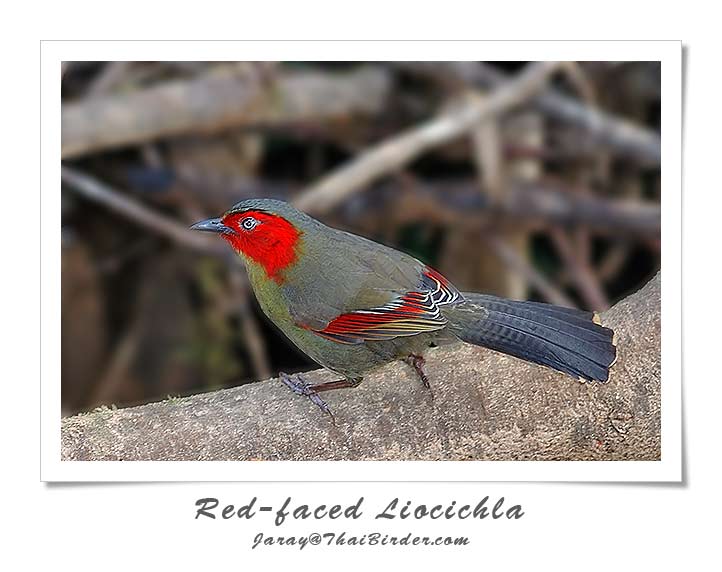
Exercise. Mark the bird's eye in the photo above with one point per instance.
(249, 223)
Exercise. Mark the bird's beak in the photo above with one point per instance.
(212, 225)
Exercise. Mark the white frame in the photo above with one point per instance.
(669, 469)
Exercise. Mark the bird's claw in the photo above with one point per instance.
(296, 384)
(418, 364)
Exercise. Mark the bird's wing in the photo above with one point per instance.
(348, 289)
(409, 313)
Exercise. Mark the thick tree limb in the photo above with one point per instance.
(486, 406)
(217, 101)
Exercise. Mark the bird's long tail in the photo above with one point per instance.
(567, 340)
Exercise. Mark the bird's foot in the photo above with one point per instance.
(418, 363)
(297, 384)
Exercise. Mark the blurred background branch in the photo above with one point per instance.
(137, 213)
(231, 96)
(527, 180)
(617, 134)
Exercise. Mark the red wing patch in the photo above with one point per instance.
(413, 313)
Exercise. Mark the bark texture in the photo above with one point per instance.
(485, 406)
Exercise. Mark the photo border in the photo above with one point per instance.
(668, 469)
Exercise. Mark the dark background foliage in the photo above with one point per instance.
(528, 205)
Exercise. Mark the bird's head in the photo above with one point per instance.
(265, 231)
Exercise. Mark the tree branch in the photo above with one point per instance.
(623, 136)
(518, 264)
(486, 406)
(98, 192)
(396, 152)
(214, 102)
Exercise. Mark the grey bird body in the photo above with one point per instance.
(353, 305)
(360, 274)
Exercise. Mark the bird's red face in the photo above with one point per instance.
(267, 239)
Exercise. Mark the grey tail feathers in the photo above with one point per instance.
(564, 339)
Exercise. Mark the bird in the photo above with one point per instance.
(353, 305)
